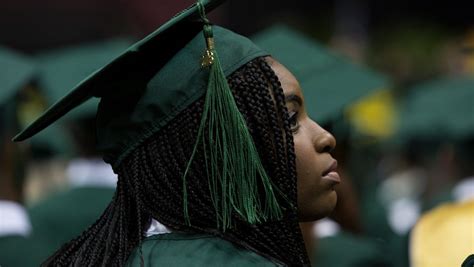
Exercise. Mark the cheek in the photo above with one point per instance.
(307, 167)
(314, 199)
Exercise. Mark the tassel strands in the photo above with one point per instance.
(232, 162)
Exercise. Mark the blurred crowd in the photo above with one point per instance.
(401, 109)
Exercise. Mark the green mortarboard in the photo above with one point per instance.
(146, 86)
(329, 82)
(442, 107)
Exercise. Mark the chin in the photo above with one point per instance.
(321, 209)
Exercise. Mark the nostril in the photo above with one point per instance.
(326, 143)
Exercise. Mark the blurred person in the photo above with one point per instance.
(401, 192)
(442, 158)
(217, 164)
(64, 214)
(448, 158)
(448, 228)
(15, 225)
(331, 83)
(90, 182)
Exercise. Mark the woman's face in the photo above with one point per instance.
(315, 167)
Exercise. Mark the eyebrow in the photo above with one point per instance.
(294, 98)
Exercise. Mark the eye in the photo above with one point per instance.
(293, 119)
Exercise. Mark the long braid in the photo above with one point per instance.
(150, 184)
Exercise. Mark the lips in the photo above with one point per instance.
(331, 173)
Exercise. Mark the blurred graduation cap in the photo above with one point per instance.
(439, 108)
(58, 71)
(330, 82)
(152, 81)
(21, 101)
(61, 69)
(17, 71)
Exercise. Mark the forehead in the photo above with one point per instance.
(288, 81)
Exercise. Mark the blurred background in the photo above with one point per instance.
(392, 80)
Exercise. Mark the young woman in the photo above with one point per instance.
(179, 199)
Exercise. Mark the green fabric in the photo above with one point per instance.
(347, 250)
(177, 249)
(439, 108)
(65, 215)
(445, 195)
(61, 69)
(17, 71)
(374, 215)
(329, 82)
(19, 251)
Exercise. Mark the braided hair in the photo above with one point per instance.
(150, 183)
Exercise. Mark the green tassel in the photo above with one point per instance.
(232, 162)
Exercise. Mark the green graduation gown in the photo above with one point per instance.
(16, 251)
(181, 249)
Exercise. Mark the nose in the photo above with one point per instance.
(324, 141)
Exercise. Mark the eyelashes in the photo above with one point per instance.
(293, 119)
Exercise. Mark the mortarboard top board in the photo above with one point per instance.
(63, 68)
(330, 82)
(439, 108)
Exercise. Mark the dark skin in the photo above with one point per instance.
(315, 167)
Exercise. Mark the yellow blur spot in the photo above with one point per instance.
(468, 45)
(374, 115)
(443, 237)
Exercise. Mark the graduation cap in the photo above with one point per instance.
(152, 81)
(441, 107)
(329, 81)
